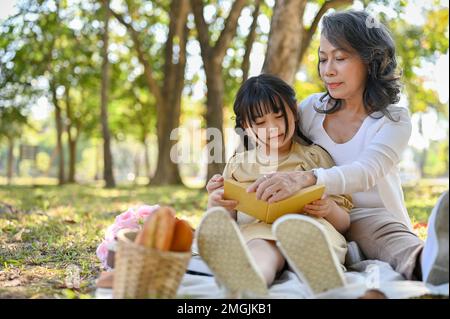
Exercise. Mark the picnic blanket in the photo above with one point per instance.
(361, 276)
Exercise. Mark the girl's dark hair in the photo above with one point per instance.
(264, 94)
(358, 31)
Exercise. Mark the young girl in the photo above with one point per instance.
(242, 251)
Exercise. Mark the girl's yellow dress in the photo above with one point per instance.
(250, 165)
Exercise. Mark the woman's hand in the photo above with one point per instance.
(277, 186)
(321, 208)
(214, 183)
(216, 199)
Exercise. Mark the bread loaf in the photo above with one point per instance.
(182, 237)
(165, 228)
(146, 237)
(163, 231)
(158, 229)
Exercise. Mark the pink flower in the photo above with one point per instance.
(126, 219)
(102, 253)
(129, 219)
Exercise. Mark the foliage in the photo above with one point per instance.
(57, 43)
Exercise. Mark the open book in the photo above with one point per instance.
(270, 212)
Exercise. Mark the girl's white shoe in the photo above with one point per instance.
(307, 249)
(222, 247)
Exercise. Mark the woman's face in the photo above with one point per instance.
(271, 129)
(343, 72)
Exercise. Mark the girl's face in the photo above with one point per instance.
(343, 72)
(270, 129)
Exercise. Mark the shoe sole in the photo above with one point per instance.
(307, 249)
(223, 248)
(439, 271)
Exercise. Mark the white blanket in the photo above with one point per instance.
(361, 276)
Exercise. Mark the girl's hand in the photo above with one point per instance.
(214, 183)
(216, 199)
(321, 208)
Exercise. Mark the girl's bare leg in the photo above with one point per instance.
(268, 258)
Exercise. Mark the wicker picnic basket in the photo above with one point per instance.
(142, 272)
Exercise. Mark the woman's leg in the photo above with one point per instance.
(267, 256)
(380, 236)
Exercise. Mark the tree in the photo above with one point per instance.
(59, 131)
(212, 56)
(165, 84)
(40, 44)
(289, 38)
(137, 113)
(107, 157)
(31, 52)
(249, 41)
(12, 121)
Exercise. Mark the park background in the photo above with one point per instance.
(89, 97)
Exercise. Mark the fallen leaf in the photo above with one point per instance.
(18, 235)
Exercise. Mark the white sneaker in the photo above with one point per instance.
(434, 260)
(306, 247)
(223, 248)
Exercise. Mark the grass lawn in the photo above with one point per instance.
(46, 229)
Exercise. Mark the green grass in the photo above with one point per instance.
(51, 228)
(46, 229)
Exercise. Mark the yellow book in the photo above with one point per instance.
(269, 212)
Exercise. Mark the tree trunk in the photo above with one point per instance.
(212, 57)
(289, 39)
(214, 120)
(97, 161)
(249, 42)
(168, 93)
(146, 159)
(72, 159)
(72, 137)
(167, 172)
(283, 47)
(59, 132)
(137, 166)
(108, 173)
(10, 163)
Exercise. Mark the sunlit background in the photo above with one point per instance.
(426, 156)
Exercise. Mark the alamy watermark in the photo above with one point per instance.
(207, 146)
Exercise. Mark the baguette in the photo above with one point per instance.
(158, 229)
(146, 237)
(165, 228)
